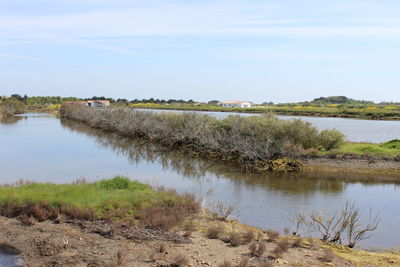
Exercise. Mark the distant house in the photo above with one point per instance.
(90, 103)
(98, 103)
(235, 104)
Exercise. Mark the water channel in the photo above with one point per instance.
(43, 148)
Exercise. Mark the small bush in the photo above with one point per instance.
(180, 260)
(272, 235)
(26, 220)
(257, 249)
(215, 232)
(281, 247)
(235, 239)
(328, 255)
(248, 236)
(187, 234)
(115, 183)
(330, 139)
(297, 243)
(392, 144)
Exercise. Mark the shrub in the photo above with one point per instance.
(221, 211)
(298, 242)
(272, 235)
(330, 139)
(392, 144)
(248, 236)
(257, 249)
(180, 260)
(235, 239)
(214, 232)
(11, 106)
(26, 220)
(188, 234)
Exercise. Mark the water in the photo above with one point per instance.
(8, 258)
(44, 148)
(356, 130)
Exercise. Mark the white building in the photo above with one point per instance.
(98, 103)
(235, 104)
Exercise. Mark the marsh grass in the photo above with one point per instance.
(114, 199)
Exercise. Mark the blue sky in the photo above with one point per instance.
(271, 50)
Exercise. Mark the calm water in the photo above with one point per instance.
(43, 148)
(356, 130)
(8, 259)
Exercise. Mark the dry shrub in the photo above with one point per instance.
(215, 232)
(165, 215)
(225, 264)
(272, 235)
(281, 247)
(77, 213)
(328, 255)
(26, 220)
(221, 211)
(187, 234)
(180, 260)
(235, 239)
(297, 243)
(248, 236)
(257, 249)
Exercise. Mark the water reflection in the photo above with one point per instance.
(10, 120)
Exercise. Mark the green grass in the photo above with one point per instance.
(388, 149)
(103, 198)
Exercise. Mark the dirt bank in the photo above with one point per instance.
(368, 166)
(100, 244)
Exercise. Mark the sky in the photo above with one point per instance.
(255, 50)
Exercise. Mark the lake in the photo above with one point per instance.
(43, 148)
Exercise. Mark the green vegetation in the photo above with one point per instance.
(387, 149)
(118, 198)
(10, 106)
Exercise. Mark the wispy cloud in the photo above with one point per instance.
(13, 56)
(156, 19)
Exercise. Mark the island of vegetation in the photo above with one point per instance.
(119, 222)
(256, 143)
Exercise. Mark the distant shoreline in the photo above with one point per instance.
(277, 111)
